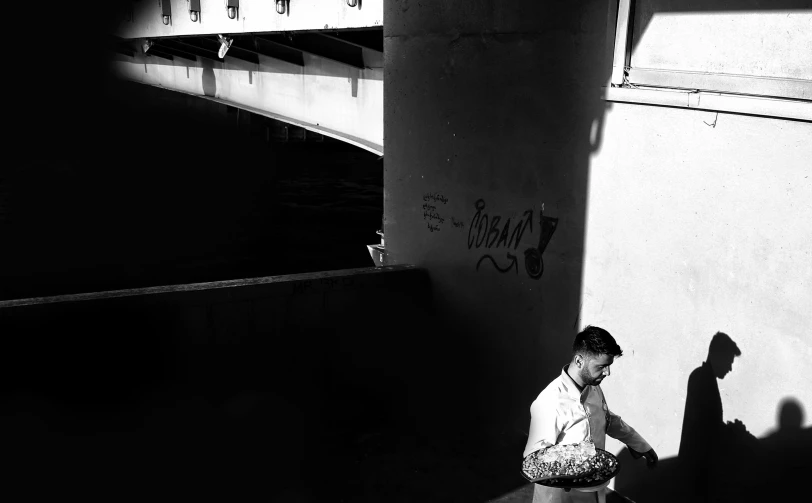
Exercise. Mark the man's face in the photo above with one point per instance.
(595, 369)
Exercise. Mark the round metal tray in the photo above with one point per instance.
(590, 479)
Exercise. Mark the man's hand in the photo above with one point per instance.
(737, 426)
(650, 455)
(651, 458)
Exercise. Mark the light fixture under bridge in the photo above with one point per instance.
(233, 8)
(166, 11)
(194, 10)
(225, 44)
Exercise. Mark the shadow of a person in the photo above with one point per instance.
(786, 453)
(710, 450)
(639, 483)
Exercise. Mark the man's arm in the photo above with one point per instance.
(544, 428)
(617, 428)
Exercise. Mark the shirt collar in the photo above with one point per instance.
(570, 387)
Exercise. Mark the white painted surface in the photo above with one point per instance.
(758, 43)
(699, 222)
(319, 96)
(254, 16)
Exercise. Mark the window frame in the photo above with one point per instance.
(746, 94)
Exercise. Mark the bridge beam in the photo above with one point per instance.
(368, 39)
(271, 50)
(143, 19)
(167, 47)
(211, 45)
(313, 43)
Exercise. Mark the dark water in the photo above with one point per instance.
(145, 187)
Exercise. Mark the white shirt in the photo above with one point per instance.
(563, 415)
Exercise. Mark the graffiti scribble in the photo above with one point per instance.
(533, 263)
(431, 214)
(513, 263)
(484, 231)
(487, 229)
(435, 198)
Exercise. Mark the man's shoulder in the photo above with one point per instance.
(553, 391)
(554, 385)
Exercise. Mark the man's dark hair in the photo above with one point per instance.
(595, 341)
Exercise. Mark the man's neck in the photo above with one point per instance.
(574, 378)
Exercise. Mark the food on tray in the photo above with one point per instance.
(605, 467)
(562, 460)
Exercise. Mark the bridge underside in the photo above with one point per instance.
(317, 67)
(316, 81)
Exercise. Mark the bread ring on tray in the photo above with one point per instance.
(579, 465)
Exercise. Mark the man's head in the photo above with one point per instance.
(593, 352)
(721, 353)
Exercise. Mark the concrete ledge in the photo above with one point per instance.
(222, 381)
(315, 336)
(682, 98)
(311, 282)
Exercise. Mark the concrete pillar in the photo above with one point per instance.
(487, 118)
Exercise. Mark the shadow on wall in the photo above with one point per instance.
(209, 80)
(723, 462)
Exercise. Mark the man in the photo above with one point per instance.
(572, 409)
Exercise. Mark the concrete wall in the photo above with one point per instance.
(143, 19)
(229, 386)
(492, 103)
(331, 98)
(671, 224)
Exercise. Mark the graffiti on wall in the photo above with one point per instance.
(431, 213)
(492, 232)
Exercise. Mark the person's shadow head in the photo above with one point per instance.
(721, 353)
(785, 452)
(790, 416)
